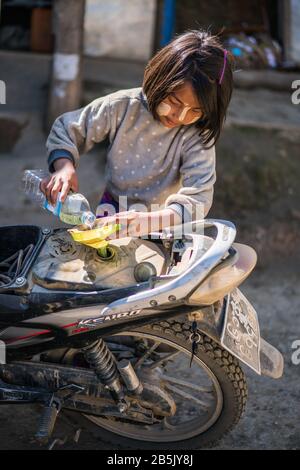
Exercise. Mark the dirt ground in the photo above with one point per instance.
(272, 418)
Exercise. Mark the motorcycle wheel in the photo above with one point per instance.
(215, 388)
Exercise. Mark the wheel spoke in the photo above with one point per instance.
(147, 354)
(187, 396)
(197, 388)
(166, 358)
(119, 347)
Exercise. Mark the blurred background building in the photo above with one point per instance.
(268, 30)
(121, 35)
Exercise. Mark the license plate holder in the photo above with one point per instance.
(241, 334)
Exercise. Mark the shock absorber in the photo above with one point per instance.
(102, 361)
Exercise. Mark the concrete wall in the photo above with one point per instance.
(120, 29)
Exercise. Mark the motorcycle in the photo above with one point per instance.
(144, 345)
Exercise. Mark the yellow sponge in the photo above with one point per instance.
(95, 238)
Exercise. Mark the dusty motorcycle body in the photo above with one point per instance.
(96, 335)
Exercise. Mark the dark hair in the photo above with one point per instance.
(198, 57)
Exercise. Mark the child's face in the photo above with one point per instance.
(180, 108)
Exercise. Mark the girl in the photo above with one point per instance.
(162, 137)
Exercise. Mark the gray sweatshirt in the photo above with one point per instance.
(146, 161)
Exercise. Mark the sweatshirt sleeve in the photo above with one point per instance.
(198, 175)
(77, 131)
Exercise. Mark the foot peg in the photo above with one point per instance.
(48, 419)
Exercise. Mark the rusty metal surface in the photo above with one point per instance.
(63, 258)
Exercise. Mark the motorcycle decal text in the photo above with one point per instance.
(113, 316)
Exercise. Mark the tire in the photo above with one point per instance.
(223, 365)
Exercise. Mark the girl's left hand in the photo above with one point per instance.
(138, 224)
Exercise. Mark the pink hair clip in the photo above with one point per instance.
(224, 66)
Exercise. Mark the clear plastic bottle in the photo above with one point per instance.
(74, 211)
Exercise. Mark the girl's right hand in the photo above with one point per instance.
(64, 179)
